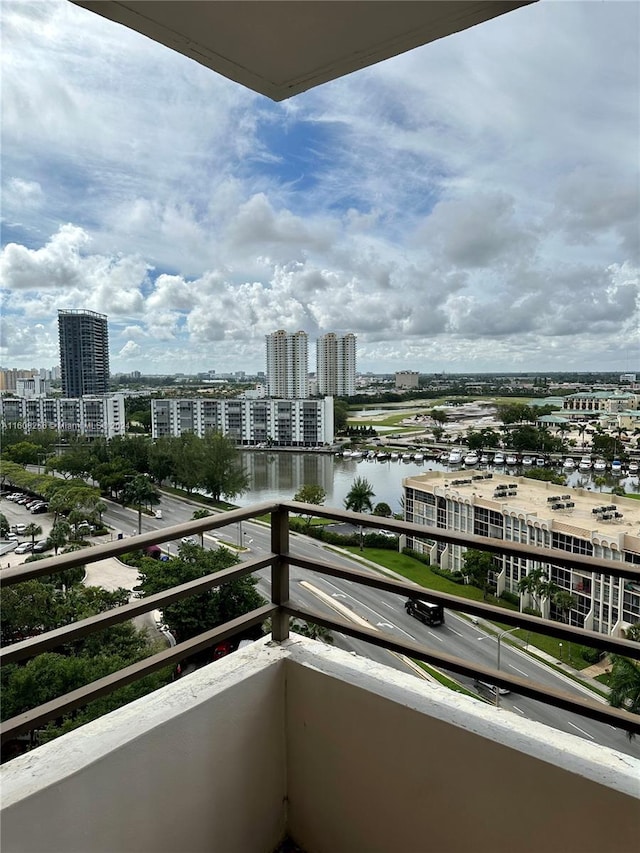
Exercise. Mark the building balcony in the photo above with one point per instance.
(291, 738)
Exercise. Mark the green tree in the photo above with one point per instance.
(4, 525)
(538, 585)
(310, 493)
(221, 472)
(312, 631)
(624, 684)
(188, 458)
(140, 492)
(383, 510)
(198, 613)
(437, 432)
(59, 535)
(33, 530)
(633, 632)
(23, 452)
(478, 565)
(160, 460)
(358, 499)
(439, 416)
(340, 415)
(201, 513)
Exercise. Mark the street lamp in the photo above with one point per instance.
(500, 636)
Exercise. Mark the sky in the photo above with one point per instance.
(471, 205)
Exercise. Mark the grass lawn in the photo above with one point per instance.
(444, 680)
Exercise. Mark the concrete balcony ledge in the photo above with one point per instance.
(339, 752)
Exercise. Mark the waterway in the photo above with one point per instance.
(279, 475)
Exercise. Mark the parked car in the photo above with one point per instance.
(41, 546)
(12, 537)
(19, 528)
(38, 508)
(187, 540)
(24, 548)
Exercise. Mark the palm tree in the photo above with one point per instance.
(201, 513)
(313, 631)
(359, 498)
(139, 492)
(624, 685)
(59, 535)
(33, 530)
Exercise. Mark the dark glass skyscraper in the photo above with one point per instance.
(84, 352)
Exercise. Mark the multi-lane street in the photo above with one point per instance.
(385, 612)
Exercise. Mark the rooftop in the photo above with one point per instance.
(533, 497)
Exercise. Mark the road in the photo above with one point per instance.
(385, 611)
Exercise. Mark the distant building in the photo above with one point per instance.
(36, 386)
(9, 378)
(407, 379)
(610, 402)
(628, 377)
(518, 509)
(336, 365)
(282, 423)
(84, 352)
(288, 365)
(91, 416)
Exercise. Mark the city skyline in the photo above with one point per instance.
(470, 206)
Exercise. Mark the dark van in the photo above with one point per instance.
(425, 611)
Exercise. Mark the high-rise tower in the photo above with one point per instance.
(287, 365)
(84, 352)
(336, 365)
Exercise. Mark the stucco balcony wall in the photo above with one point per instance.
(341, 753)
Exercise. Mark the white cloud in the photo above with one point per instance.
(472, 204)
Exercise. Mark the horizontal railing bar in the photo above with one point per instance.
(470, 540)
(75, 630)
(561, 631)
(82, 696)
(588, 708)
(55, 565)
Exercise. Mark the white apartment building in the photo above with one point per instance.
(288, 365)
(281, 423)
(407, 379)
(336, 365)
(37, 386)
(91, 415)
(518, 509)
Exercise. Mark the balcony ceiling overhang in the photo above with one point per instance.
(280, 49)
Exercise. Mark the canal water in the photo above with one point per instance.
(279, 475)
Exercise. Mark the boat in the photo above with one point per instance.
(394, 457)
(511, 459)
(616, 466)
(569, 464)
(527, 461)
(498, 458)
(484, 459)
(382, 456)
(540, 463)
(471, 458)
(585, 463)
(599, 465)
(407, 457)
(455, 457)
(633, 467)
(418, 457)
(346, 454)
(356, 454)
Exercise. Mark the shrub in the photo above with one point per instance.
(511, 597)
(590, 655)
(531, 611)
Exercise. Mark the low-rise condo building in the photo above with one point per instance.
(518, 509)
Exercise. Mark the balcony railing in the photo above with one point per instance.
(282, 608)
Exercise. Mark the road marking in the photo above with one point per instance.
(384, 625)
(515, 708)
(386, 604)
(338, 595)
(518, 670)
(362, 604)
(454, 631)
(439, 639)
(577, 728)
(340, 608)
